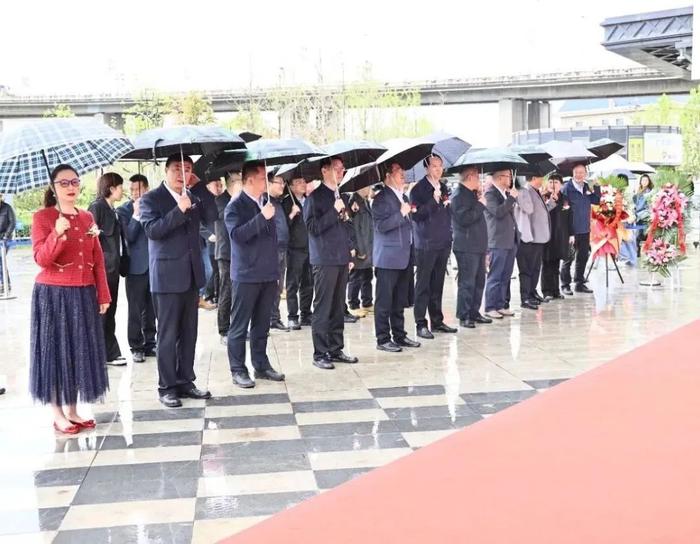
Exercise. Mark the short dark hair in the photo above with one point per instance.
(557, 177)
(106, 182)
(426, 161)
(49, 194)
(177, 157)
(325, 162)
(250, 168)
(139, 178)
(580, 163)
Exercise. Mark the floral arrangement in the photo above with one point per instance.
(665, 243)
(607, 222)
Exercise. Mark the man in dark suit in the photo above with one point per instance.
(391, 255)
(470, 246)
(503, 242)
(433, 243)
(300, 283)
(110, 187)
(276, 188)
(329, 251)
(580, 197)
(222, 253)
(250, 223)
(141, 329)
(171, 216)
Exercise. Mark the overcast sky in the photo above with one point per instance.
(80, 46)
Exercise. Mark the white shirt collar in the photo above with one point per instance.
(503, 193)
(579, 186)
(175, 195)
(398, 193)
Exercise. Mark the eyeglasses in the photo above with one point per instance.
(65, 183)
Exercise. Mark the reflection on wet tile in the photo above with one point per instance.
(334, 405)
(346, 429)
(225, 436)
(253, 449)
(544, 384)
(249, 421)
(166, 414)
(241, 400)
(248, 484)
(151, 427)
(248, 410)
(162, 533)
(30, 498)
(113, 490)
(435, 423)
(492, 408)
(406, 391)
(355, 442)
(343, 416)
(248, 505)
(207, 531)
(498, 396)
(146, 455)
(423, 412)
(224, 466)
(129, 513)
(420, 439)
(327, 479)
(355, 459)
(416, 401)
(156, 440)
(31, 521)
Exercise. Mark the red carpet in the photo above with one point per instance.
(612, 456)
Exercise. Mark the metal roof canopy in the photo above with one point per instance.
(661, 40)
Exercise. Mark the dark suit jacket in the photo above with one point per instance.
(298, 235)
(174, 249)
(222, 247)
(468, 222)
(110, 237)
(432, 221)
(580, 205)
(253, 242)
(136, 239)
(392, 232)
(500, 220)
(329, 237)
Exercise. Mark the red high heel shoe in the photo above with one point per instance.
(73, 429)
(87, 424)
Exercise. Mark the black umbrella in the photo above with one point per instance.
(216, 165)
(566, 155)
(537, 159)
(277, 152)
(184, 139)
(604, 147)
(447, 146)
(489, 160)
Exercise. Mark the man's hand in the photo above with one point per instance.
(137, 208)
(339, 205)
(184, 203)
(268, 210)
(212, 238)
(295, 211)
(103, 308)
(62, 225)
(353, 253)
(513, 192)
(554, 197)
(405, 208)
(572, 239)
(355, 208)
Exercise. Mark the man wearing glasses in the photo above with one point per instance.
(276, 187)
(329, 252)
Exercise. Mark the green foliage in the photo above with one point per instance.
(59, 110)
(690, 128)
(680, 179)
(621, 184)
(665, 112)
(250, 120)
(148, 112)
(193, 109)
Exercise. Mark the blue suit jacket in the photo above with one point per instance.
(432, 220)
(580, 215)
(253, 242)
(392, 232)
(175, 258)
(135, 239)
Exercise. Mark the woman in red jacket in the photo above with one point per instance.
(67, 341)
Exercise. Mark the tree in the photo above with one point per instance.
(148, 112)
(690, 128)
(250, 120)
(194, 109)
(59, 110)
(664, 112)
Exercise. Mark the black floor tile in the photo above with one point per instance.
(232, 466)
(545, 384)
(334, 405)
(422, 412)
(241, 400)
(248, 505)
(356, 442)
(498, 396)
(164, 533)
(327, 479)
(155, 440)
(407, 391)
(253, 449)
(347, 429)
(247, 422)
(435, 423)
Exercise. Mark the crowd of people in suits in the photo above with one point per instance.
(265, 236)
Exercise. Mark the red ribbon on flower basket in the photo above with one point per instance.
(606, 222)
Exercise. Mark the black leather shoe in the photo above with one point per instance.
(558, 296)
(389, 346)
(443, 328)
(269, 374)
(481, 319)
(305, 321)
(567, 290)
(529, 305)
(423, 332)
(350, 318)
(340, 357)
(467, 324)
(150, 353)
(324, 363)
(583, 289)
(138, 357)
(539, 298)
(170, 400)
(293, 325)
(241, 379)
(533, 301)
(194, 393)
(407, 343)
(279, 326)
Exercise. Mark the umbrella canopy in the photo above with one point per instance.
(447, 146)
(186, 139)
(566, 155)
(489, 160)
(216, 165)
(604, 147)
(278, 152)
(615, 162)
(360, 177)
(537, 159)
(28, 153)
(354, 152)
(248, 137)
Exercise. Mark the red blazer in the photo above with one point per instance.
(74, 259)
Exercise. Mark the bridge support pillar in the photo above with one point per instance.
(538, 115)
(114, 120)
(512, 117)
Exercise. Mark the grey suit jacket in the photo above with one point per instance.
(532, 216)
(500, 221)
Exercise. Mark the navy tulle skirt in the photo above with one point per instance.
(67, 353)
